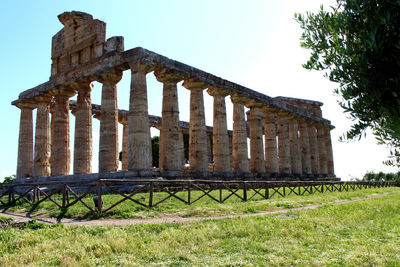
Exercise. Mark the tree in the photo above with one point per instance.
(155, 144)
(357, 44)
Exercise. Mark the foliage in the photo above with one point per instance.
(357, 43)
(155, 147)
(361, 233)
(381, 176)
(8, 180)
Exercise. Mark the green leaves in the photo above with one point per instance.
(357, 44)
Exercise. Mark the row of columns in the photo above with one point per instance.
(292, 145)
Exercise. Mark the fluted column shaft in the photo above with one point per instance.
(295, 150)
(322, 153)
(305, 148)
(271, 152)
(239, 139)
(329, 152)
(108, 145)
(312, 134)
(169, 149)
(41, 162)
(124, 154)
(61, 140)
(83, 148)
(198, 157)
(139, 139)
(284, 145)
(25, 142)
(220, 131)
(257, 162)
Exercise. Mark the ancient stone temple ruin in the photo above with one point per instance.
(289, 139)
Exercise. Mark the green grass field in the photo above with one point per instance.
(362, 233)
(204, 207)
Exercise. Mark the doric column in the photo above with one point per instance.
(52, 119)
(139, 139)
(295, 150)
(322, 155)
(169, 152)
(284, 144)
(239, 152)
(25, 141)
(124, 153)
(257, 162)
(305, 147)
(230, 140)
(41, 161)
(220, 131)
(60, 149)
(108, 145)
(329, 152)
(83, 129)
(271, 152)
(198, 158)
(312, 134)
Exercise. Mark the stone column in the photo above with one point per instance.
(52, 112)
(239, 139)
(60, 149)
(83, 150)
(169, 153)
(284, 144)
(271, 152)
(25, 141)
(108, 145)
(41, 162)
(305, 148)
(257, 162)
(295, 150)
(312, 134)
(124, 154)
(329, 152)
(198, 158)
(220, 131)
(139, 144)
(230, 138)
(323, 166)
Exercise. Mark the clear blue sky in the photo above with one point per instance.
(254, 43)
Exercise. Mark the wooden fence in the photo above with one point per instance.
(65, 195)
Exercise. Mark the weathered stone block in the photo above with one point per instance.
(115, 43)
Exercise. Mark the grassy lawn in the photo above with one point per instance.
(204, 207)
(363, 233)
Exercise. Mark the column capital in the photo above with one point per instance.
(236, 98)
(192, 83)
(166, 75)
(109, 76)
(136, 66)
(28, 104)
(215, 91)
(253, 104)
(68, 92)
(81, 86)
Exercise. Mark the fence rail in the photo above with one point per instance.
(65, 195)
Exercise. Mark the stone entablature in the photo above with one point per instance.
(297, 139)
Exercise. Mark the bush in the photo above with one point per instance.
(381, 176)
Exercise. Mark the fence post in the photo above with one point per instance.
(267, 192)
